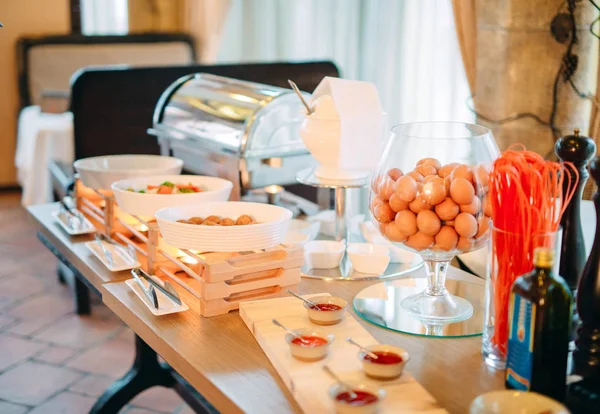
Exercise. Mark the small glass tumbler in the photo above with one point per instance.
(510, 256)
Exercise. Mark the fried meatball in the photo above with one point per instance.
(244, 219)
(227, 222)
(216, 219)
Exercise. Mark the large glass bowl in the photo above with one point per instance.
(429, 195)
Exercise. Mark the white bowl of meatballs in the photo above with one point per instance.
(224, 226)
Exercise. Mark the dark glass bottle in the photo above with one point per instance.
(539, 325)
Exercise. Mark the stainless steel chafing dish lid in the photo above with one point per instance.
(230, 115)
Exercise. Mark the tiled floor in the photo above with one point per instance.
(51, 360)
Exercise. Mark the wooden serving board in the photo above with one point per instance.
(307, 381)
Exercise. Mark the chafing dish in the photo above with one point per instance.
(245, 132)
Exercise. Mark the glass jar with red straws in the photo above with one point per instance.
(527, 201)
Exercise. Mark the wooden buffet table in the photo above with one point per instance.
(220, 358)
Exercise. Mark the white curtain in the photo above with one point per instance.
(408, 48)
(104, 17)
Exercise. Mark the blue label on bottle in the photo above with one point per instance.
(519, 359)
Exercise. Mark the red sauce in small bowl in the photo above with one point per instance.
(361, 399)
(327, 307)
(384, 358)
(309, 341)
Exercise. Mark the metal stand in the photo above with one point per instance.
(146, 372)
(343, 232)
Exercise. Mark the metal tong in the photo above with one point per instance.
(150, 292)
(166, 288)
(127, 252)
(74, 218)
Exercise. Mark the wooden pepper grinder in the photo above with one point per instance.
(586, 356)
(579, 151)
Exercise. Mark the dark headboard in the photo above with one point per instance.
(113, 107)
(26, 44)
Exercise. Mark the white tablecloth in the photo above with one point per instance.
(477, 261)
(41, 138)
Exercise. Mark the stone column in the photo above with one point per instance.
(517, 62)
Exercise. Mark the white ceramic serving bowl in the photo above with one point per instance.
(309, 354)
(101, 172)
(384, 371)
(319, 317)
(142, 204)
(296, 238)
(270, 230)
(326, 220)
(369, 258)
(345, 408)
(324, 254)
(372, 235)
(304, 226)
(515, 402)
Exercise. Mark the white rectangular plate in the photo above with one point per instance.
(86, 228)
(119, 261)
(165, 305)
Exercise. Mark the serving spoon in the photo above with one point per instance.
(294, 334)
(308, 302)
(309, 110)
(342, 383)
(362, 348)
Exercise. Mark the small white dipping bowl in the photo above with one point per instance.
(307, 227)
(326, 220)
(296, 238)
(324, 254)
(384, 371)
(515, 402)
(368, 257)
(349, 408)
(306, 353)
(320, 317)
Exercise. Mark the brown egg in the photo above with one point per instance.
(461, 191)
(447, 169)
(418, 205)
(383, 213)
(209, 223)
(433, 178)
(375, 183)
(406, 188)
(463, 171)
(386, 188)
(487, 206)
(430, 161)
(481, 175)
(196, 220)
(474, 207)
(465, 244)
(395, 173)
(428, 222)
(465, 225)
(433, 193)
(419, 241)
(393, 233)
(446, 239)
(382, 227)
(483, 224)
(417, 176)
(406, 221)
(426, 170)
(216, 219)
(447, 209)
(375, 201)
(396, 204)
